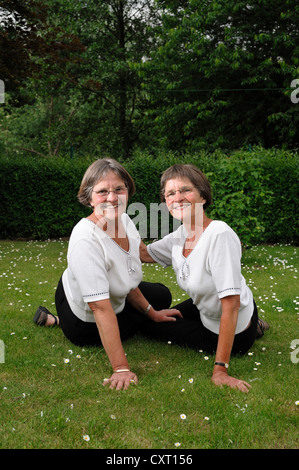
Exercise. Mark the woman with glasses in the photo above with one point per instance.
(220, 316)
(100, 299)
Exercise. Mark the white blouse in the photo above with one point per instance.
(98, 268)
(211, 271)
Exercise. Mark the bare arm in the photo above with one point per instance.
(139, 302)
(107, 324)
(229, 317)
(143, 253)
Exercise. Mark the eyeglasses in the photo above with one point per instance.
(103, 193)
(185, 191)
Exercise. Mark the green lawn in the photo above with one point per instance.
(51, 392)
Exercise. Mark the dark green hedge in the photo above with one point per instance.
(38, 197)
(255, 192)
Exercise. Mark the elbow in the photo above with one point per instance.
(231, 303)
(237, 302)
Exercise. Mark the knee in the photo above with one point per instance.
(158, 295)
(164, 295)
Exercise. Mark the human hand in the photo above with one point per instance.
(121, 380)
(165, 315)
(222, 378)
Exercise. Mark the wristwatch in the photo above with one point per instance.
(223, 364)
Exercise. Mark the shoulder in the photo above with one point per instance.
(222, 229)
(85, 236)
(218, 226)
(84, 226)
(220, 234)
(223, 239)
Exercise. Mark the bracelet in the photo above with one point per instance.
(223, 364)
(147, 309)
(122, 370)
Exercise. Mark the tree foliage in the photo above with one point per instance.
(222, 73)
(29, 47)
(107, 77)
(19, 24)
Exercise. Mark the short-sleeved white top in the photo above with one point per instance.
(98, 268)
(211, 271)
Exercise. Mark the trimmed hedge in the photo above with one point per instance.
(38, 197)
(255, 192)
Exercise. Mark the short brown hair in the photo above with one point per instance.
(194, 174)
(98, 170)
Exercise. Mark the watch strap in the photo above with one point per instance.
(223, 364)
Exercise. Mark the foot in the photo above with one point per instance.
(262, 326)
(52, 320)
(43, 317)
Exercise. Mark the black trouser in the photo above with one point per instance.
(130, 321)
(187, 331)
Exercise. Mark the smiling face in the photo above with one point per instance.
(183, 200)
(109, 197)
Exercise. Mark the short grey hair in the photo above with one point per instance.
(196, 177)
(96, 171)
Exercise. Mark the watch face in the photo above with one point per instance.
(222, 364)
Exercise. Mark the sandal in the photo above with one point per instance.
(41, 315)
(262, 326)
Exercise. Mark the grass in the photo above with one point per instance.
(51, 392)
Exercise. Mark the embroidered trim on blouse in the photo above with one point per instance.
(153, 255)
(93, 295)
(185, 270)
(229, 288)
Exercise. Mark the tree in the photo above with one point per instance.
(30, 54)
(19, 24)
(114, 35)
(87, 72)
(222, 72)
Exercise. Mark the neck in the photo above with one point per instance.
(111, 227)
